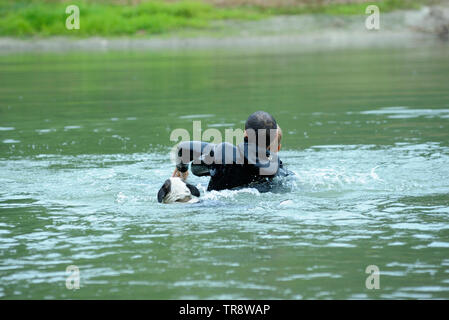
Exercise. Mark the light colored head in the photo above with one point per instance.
(176, 190)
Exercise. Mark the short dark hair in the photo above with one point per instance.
(261, 120)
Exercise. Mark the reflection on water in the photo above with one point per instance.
(86, 147)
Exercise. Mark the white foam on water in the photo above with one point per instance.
(41, 131)
(407, 113)
(72, 127)
(196, 116)
(11, 141)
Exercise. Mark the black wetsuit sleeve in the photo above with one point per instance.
(201, 153)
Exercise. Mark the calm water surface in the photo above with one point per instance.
(84, 147)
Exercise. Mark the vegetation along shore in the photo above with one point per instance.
(44, 18)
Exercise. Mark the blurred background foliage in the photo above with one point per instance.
(24, 18)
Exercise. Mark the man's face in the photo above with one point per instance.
(275, 145)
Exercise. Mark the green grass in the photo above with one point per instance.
(348, 9)
(24, 18)
(30, 18)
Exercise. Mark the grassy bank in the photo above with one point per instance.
(24, 18)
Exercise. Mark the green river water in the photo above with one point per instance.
(84, 148)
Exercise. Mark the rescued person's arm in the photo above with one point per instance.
(201, 153)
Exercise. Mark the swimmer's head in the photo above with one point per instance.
(261, 123)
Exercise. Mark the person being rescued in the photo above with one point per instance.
(253, 163)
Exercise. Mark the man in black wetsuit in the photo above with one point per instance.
(253, 163)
